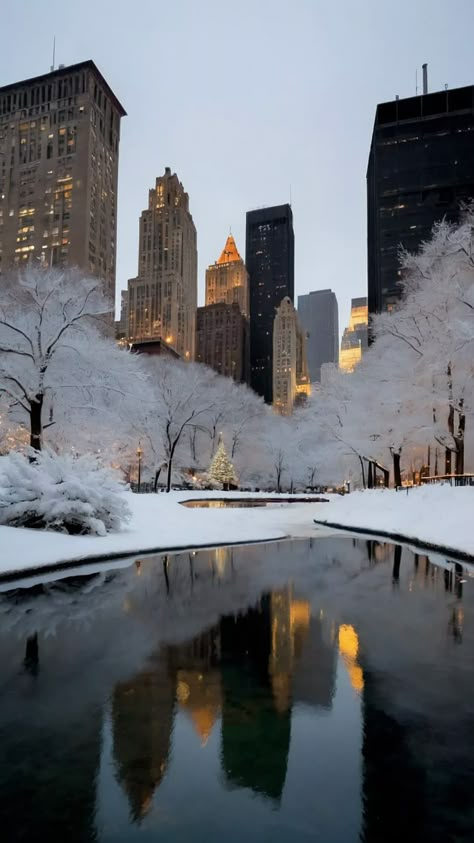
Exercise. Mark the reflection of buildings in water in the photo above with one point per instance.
(198, 681)
(349, 650)
(272, 655)
(255, 735)
(142, 720)
(393, 777)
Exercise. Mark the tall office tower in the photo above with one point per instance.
(162, 299)
(59, 142)
(421, 166)
(355, 338)
(318, 315)
(290, 370)
(270, 261)
(222, 339)
(121, 325)
(227, 279)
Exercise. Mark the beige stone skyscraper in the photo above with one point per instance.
(162, 299)
(290, 369)
(227, 279)
(59, 142)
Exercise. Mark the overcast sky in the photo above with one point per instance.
(248, 101)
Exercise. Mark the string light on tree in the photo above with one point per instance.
(221, 469)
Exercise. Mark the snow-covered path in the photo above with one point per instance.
(433, 515)
(160, 522)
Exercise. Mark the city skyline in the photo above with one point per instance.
(311, 138)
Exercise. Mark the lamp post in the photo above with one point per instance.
(139, 458)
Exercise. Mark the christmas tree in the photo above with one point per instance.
(221, 469)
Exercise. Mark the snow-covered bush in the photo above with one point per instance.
(66, 493)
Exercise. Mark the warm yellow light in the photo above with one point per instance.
(348, 641)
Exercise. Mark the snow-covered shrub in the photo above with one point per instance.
(66, 493)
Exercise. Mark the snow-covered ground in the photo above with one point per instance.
(435, 515)
(160, 522)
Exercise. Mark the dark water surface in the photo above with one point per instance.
(297, 691)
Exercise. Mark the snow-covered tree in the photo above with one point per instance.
(56, 363)
(221, 469)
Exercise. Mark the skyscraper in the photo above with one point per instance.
(421, 166)
(222, 339)
(355, 338)
(227, 279)
(162, 299)
(318, 315)
(59, 142)
(290, 370)
(270, 261)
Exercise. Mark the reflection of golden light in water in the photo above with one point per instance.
(290, 625)
(220, 556)
(349, 649)
(199, 694)
(182, 691)
(348, 641)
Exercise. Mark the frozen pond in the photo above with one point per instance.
(317, 690)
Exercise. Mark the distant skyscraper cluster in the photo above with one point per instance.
(59, 145)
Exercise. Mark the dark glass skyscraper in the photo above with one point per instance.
(319, 317)
(421, 166)
(270, 260)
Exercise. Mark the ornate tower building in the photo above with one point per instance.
(290, 369)
(227, 279)
(162, 299)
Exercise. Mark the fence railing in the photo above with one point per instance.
(452, 479)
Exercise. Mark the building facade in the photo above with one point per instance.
(319, 318)
(355, 338)
(227, 279)
(222, 339)
(162, 299)
(270, 261)
(59, 147)
(290, 370)
(421, 166)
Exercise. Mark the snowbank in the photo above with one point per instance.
(160, 522)
(432, 515)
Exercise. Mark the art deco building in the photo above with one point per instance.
(222, 340)
(290, 370)
(355, 338)
(227, 279)
(270, 261)
(162, 299)
(421, 167)
(59, 143)
(319, 318)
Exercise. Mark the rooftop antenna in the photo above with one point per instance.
(416, 82)
(425, 78)
(290, 195)
(54, 54)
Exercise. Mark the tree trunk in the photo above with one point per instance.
(370, 482)
(36, 422)
(397, 475)
(459, 439)
(168, 477)
(361, 460)
(157, 477)
(447, 460)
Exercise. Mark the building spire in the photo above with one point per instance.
(230, 252)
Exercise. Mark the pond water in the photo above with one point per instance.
(244, 503)
(296, 691)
